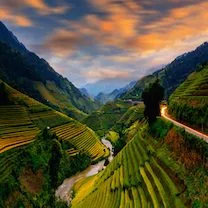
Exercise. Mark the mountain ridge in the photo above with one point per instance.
(45, 83)
(173, 74)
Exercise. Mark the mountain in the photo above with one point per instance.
(173, 74)
(104, 97)
(26, 149)
(32, 75)
(189, 102)
(84, 92)
(106, 86)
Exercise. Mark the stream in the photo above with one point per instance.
(64, 191)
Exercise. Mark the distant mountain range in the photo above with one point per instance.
(32, 75)
(105, 86)
(105, 97)
(173, 74)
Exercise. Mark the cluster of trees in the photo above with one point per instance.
(4, 97)
(152, 96)
(196, 116)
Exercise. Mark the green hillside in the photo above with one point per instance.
(189, 103)
(123, 129)
(22, 118)
(173, 74)
(104, 118)
(33, 76)
(135, 178)
(27, 147)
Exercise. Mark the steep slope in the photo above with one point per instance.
(22, 118)
(32, 75)
(135, 178)
(28, 146)
(189, 102)
(173, 74)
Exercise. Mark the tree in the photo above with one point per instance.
(4, 98)
(54, 163)
(152, 96)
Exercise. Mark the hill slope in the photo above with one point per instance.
(135, 178)
(189, 102)
(22, 117)
(104, 118)
(173, 74)
(33, 76)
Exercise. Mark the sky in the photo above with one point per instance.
(91, 40)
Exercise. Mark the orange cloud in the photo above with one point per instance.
(106, 74)
(19, 20)
(13, 11)
(124, 26)
(62, 42)
(43, 8)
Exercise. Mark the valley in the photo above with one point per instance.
(144, 145)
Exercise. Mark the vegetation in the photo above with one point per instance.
(23, 119)
(4, 99)
(99, 120)
(126, 126)
(189, 103)
(173, 74)
(136, 177)
(34, 76)
(28, 174)
(152, 96)
(192, 155)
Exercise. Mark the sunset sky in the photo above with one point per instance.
(91, 40)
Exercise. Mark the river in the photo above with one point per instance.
(64, 191)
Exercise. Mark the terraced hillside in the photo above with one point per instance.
(133, 114)
(23, 118)
(135, 178)
(189, 103)
(99, 120)
(16, 128)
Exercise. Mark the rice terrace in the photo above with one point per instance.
(103, 104)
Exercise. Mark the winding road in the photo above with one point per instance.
(187, 129)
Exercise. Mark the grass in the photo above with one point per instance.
(112, 136)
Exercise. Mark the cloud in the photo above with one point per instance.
(14, 11)
(41, 7)
(19, 20)
(101, 74)
(62, 43)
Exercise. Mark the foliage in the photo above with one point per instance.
(43, 156)
(152, 96)
(4, 97)
(54, 162)
(112, 136)
(105, 118)
(189, 103)
(191, 155)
